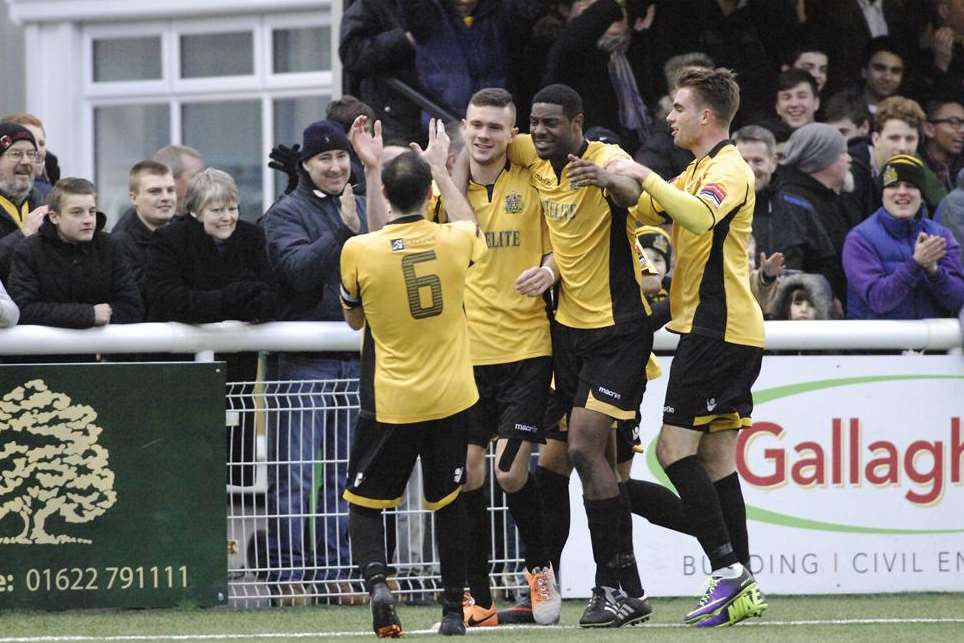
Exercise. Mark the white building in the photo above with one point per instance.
(114, 80)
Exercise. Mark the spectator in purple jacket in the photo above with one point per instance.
(900, 264)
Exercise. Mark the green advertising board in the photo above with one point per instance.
(112, 485)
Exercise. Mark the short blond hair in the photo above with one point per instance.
(207, 186)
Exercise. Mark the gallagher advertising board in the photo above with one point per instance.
(852, 474)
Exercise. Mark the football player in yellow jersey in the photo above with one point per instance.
(405, 284)
(708, 396)
(601, 335)
(511, 353)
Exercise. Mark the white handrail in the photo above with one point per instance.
(233, 336)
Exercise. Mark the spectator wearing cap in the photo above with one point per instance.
(899, 263)
(305, 231)
(655, 244)
(21, 205)
(47, 168)
(810, 218)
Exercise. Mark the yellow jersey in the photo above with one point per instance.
(592, 240)
(409, 277)
(505, 326)
(710, 292)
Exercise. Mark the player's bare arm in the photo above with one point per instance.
(624, 190)
(355, 317)
(368, 147)
(534, 281)
(436, 153)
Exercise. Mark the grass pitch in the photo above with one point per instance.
(873, 618)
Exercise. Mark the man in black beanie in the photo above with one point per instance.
(305, 232)
(21, 209)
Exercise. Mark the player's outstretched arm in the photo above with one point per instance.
(368, 148)
(624, 190)
(684, 208)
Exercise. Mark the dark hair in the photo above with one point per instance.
(67, 187)
(809, 43)
(407, 180)
(846, 104)
(884, 43)
(562, 95)
(346, 109)
(154, 168)
(716, 88)
(935, 103)
(790, 78)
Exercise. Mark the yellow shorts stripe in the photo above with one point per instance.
(608, 409)
(370, 503)
(447, 500)
(721, 421)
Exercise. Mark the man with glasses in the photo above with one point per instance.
(944, 139)
(21, 212)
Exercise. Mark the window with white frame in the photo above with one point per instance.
(230, 87)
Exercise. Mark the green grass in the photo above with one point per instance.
(321, 620)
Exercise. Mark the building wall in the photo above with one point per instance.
(11, 64)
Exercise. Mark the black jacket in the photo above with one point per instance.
(133, 237)
(810, 222)
(373, 46)
(191, 279)
(763, 216)
(10, 234)
(58, 284)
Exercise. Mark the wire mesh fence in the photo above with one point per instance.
(287, 445)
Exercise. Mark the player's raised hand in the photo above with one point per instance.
(771, 266)
(347, 209)
(367, 146)
(436, 153)
(532, 282)
(626, 167)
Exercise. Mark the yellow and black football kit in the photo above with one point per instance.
(416, 368)
(508, 331)
(711, 304)
(601, 337)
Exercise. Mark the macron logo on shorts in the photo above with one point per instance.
(526, 428)
(457, 478)
(669, 409)
(613, 394)
(358, 480)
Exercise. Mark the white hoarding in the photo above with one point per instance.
(852, 475)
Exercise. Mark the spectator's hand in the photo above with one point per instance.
(771, 266)
(34, 219)
(102, 313)
(285, 159)
(367, 146)
(651, 285)
(943, 46)
(928, 250)
(347, 209)
(532, 282)
(645, 20)
(437, 152)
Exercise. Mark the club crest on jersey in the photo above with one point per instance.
(513, 203)
(398, 245)
(713, 192)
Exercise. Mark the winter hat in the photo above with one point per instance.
(814, 147)
(903, 167)
(323, 136)
(656, 238)
(10, 133)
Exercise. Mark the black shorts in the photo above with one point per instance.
(383, 456)
(601, 369)
(628, 443)
(709, 384)
(512, 401)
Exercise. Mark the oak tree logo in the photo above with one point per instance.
(50, 464)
